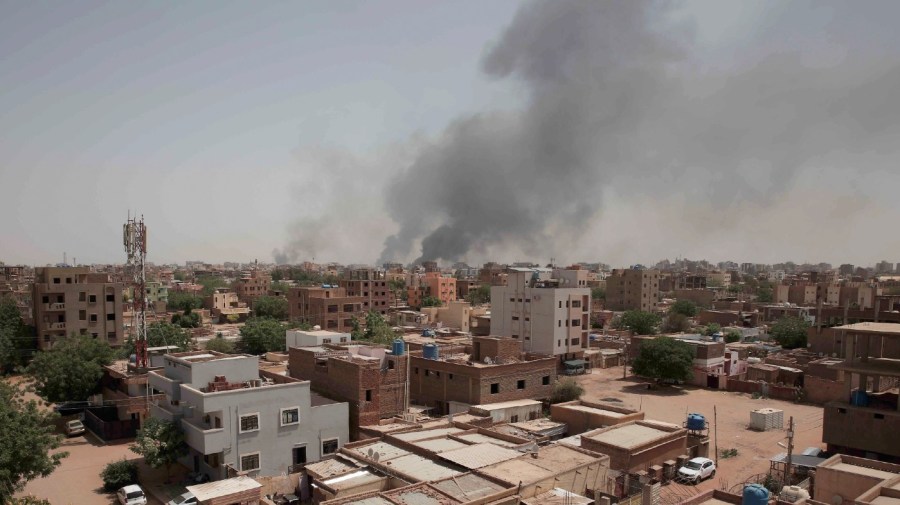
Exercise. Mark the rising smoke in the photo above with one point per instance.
(620, 99)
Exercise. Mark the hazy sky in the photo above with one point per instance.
(754, 131)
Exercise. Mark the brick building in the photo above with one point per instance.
(433, 284)
(329, 307)
(632, 289)
(251, 285)
(75, 300)
(495, 370)
(371, 285)
(370, 379)
(225, 306)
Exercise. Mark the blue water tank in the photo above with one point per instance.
(430, 351)
(399, 347)
(428, 332)
(755, 494)
(859, 398)
(696, 422)
(132, 358)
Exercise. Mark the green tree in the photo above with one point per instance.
(71, 370)
(765, 295)
(261, 335)
(119, 474)
(639, 322)
(179, 275)
(210, 284)
(712, 329)
(277, 275)
(161, 334)
(160, 442)
(598, 294)
(479, 295)
(735, 289)
(219, 344)
(188, 319)
(431, 301)
(275, 307)
(664, 358)
(732, 336)
(183, 301)
(378, 331)
(283, 287)
(686, 308)
(16, 339)
(790, 332)
(27, 500)
(676, 322)
(566, 390)
(26, 439)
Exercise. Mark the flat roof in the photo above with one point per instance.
(421, 468)
(478, 438)
(628, 436)
(441, 444)
(552, 460)
(885, 500)
(506, 405)
(892, 329)
(558, 496)
(880, 366)
(861, 470)
(385, 451)
(353, 479)
(372, 500)
(318, 333)
(479, 455)
(468, 486)
(412, 436)
(220, 488)
(327, 468)
(421, 494)
(594, 410)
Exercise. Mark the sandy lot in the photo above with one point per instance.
(672, 404)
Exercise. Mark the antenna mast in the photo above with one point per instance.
(135, 240)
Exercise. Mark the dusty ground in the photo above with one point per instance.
(672, 404)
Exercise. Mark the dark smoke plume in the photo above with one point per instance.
(615, 99)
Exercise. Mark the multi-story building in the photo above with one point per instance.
(75, 300)
(370, 379)
(251, 285)
(632, 289)
(690, 281)
(16, 282)
(369, 284)
(549, 312)
(329, 307)
(495, 370)
(866, 421)
(225, 306)
(157, 296)
(434, 285)
(238, 419)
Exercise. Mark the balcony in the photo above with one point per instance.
(161, 410)
(203, 438)
(170, 387)
(843, 425)
(54, 306)
(56, 326)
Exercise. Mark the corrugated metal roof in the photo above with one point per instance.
(479, 455)
(421, 435)
(422, 469)
(478, 438)
(441, 444)
(220, 488)
(506, 405)
(330, 467)
(557, 496)
(385, 451)
(468, 486)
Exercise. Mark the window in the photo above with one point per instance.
(451, 376)
(56, 280)
(515, 318)
(390, 364)
(110, 335)
(368, 395)
(520, 384)
(438, 373)
(326, 340)
(46, 299)
(329, 446)
(514, 419)
(842, 411)
(545, 380)
(299, 455)
(92, 299)
(416, 370)
(576, 323)
(93, 318)
(250, 422)
(212, 460)
(110, 317)
(559, 323)
(512, 299)
(82, 296)
(82, 315)
(575, 341)
(560, 304)
(427, 373)
(879, 416)
(110, 297)
(249, 462)
(495, 388)
(289, 416)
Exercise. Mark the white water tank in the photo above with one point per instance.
(793, 494)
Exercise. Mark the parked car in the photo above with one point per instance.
(184, 499)
(131, 495)
(696, 470)
(73, 428)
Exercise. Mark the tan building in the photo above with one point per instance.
(225, 306)
(371, 285)
(632, 290)
(330, 308)
(252, 285)
(456, 315)
(845, 479)
(433, 284)
(637, 445)
(75, 300)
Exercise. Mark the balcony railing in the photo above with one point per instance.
(57, 326)
(204, 439)
(54, 306)
(168, 386)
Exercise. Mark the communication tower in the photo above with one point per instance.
(135, 240)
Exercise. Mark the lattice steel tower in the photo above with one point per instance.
(135, 240)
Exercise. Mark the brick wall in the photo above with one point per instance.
(821, 391)
(580, 421)
(495, 347)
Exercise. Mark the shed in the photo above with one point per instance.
(238, 490)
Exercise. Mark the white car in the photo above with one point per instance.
(184, 499)
(131, 495)
(696, 470)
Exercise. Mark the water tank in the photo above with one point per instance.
(398, 347)
(859, 398)
(696, 422)
(428, 332)
(132, 358)
(755, 494)
(430, 351)
(793, 494)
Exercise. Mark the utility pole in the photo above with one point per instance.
(716, 435)
(790, 449)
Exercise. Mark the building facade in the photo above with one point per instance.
(369, 284)
(238, 420)
(547, 311)
(251, 285)
(330, 308)
(75, 300)
(632, 290)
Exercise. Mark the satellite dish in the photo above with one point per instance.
(487, 360)
(369, 452)
(376, 456)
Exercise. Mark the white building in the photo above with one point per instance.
(548, 310)
(314, 338)
(238, 420)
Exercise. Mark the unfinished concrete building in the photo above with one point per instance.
(328, 307)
